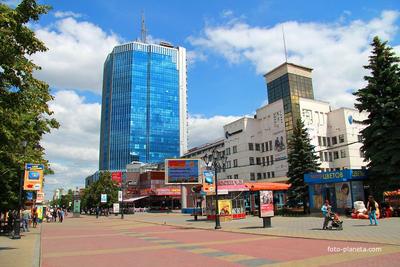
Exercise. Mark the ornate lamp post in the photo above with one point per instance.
(217, 162)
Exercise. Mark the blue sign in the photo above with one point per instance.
(334, 176)
(103, 198)
(29, 195)
(208, 177)
(33, 175)
(350, 119)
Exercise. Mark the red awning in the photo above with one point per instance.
(267, 186)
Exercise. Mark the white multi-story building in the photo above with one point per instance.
(256, 147)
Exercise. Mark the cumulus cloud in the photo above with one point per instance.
(336, 51)
(77, 51)
(203, 130)
(73, 148)
(63, 14)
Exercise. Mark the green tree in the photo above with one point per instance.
(301, 160)
(24, 112)
(381, 137)
(105, 185)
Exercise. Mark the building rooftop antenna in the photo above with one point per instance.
(143, 32)
(284, 43)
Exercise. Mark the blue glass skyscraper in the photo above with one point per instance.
(144, 109)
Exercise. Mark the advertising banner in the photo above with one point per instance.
(225, 209)
(182, 171)
(343, 195)
(120, 196)
(116, 207)
(33, 179)
(117, 177)
(39, 197)
(103, 198)
(77, 206)
(40, 212)
(266, 204)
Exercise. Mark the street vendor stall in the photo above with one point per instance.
(231, 200)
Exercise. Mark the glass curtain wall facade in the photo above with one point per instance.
(289, 87)
(144, 105)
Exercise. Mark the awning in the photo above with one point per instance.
(267, 186)
(133, 199)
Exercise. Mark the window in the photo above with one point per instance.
(228, 164)
(236, 176)
(251, 160)
(258, 176)
(235, 163)
(342, 153)
(321, 156)
(267, 160)
(270, 145)
(251, 146)
(269, 174)
(326, 156)
(272, 174)
(335, 154)
(341, 138)
(257, 147)
(334, 140)
(266, 146)
(330, 156)
(262, 147)
(272, 160)
(252, 176)
(324, 141)
(328, 139)
(258, 160)
(319, 140)
(228, 151)
(264, 175)
(263, 160)
(234, 149)
(360, 138)
(229, 177)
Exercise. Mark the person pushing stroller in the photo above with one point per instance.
(332, 217)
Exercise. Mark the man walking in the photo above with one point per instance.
(371, 207)
(326, 208)
(26, 215)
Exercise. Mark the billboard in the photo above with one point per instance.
(182, 171)
(103, 198)
(33, 179)
(116, 207)
(266, 204)
(117, 177)
(225, 209)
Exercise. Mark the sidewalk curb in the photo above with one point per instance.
(37, 249)
(265, 234)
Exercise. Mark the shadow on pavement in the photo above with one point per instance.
(253, 227)
(360, 225)
(6, 248)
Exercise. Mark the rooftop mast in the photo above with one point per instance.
(143, 30)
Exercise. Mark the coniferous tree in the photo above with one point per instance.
(381, 99)
(301, 160)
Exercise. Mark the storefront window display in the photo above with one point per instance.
(343, 196)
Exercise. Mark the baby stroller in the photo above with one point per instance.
(336, 223)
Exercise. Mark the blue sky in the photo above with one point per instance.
(230, 45)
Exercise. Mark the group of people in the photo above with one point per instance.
(372, 207)
(28, 217)
(53, 213)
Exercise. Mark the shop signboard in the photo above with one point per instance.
(33, 178)
(182, 171)
(77, 206)
(39, 197)
(120, 196)
(225, 209)
(231, 182)
(266, 204)
(103, 198)
(116, 207)
(334, 176)
(171, 191)
(208, 176)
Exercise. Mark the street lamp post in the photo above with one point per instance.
(17, 222)
(217, 162)
(122, 200)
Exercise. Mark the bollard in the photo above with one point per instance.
(266, 222)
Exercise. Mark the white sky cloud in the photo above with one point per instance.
(73, 149)
(335, 51)
(63, 14)
(203, 130)
(77, 50)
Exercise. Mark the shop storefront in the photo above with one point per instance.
(340, 188)
(231, 195)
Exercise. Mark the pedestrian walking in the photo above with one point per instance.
(54, 215)
(326, 209)
(372, 206)
(97, 212)
(61, 216)
(26, 216)
(34, 217)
